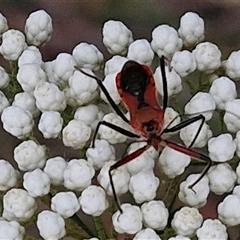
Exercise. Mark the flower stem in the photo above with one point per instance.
(100, 228)
(80, 223)
(171, 193)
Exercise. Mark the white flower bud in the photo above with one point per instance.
(49, 97)
(8, 175)
(120, 178)
(130, 221)
(4, 103)
(13, 44)
(4, 78)
(110, 84)
(144, 162)
(223, 90)
(118, 42)
(65, 203)
(201, 103)
(76, 134)
(83, 88)
(165, 41)
(3, 24)
(11, 230)
(29, 155)
(207, 56)
(74, 169)
(54, 168)
(114, 65)
(170, 166)
(147, 233)
(31, 55)
(27, 101)
(174, 82)
(18, 205)
(50, 124)
(141, 52)
(183, 63)
(93, 201)
(63, 68)
(188, 133)
(37, 183)
(20, 126)
(111, 135)
(228, 210)
(155, 215)
(236, 190)
(191, 29)
(89, 114)
(87, 56)
(232, 67)
(196, 197)
(221, 148)
(179, 237)
(50, 225)
(232, 115)
(38, 28)
(186, 221)
(212, 229)
(29, 75)
(143, 186)
(101, 153)
(221, 178)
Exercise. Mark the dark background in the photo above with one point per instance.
(77, 21)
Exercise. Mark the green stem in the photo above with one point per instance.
(223, 126)
(80, 223)
(111, 210)
(176, 104)
(14, 87)
(168, 232)
(234, 162)
(171, 193)
(100, 228)
(190, 86)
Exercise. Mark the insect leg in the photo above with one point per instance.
(109, 98)
(164, 80)
(120, 163)
(191, 153)
(186, 123)
(114, 127)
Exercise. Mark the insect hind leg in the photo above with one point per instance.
(193, 154)
(120, 163)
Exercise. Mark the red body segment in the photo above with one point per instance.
(136, 86)
(140, 116)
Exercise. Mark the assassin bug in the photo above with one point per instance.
(136, 86)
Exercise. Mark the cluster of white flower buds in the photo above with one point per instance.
(49, 89)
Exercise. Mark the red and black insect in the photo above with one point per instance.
(136, 86)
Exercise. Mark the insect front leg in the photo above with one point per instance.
(186, 123)
(109, 98)
(164, 80)
(114, 127)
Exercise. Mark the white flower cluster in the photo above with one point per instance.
(61, 99)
